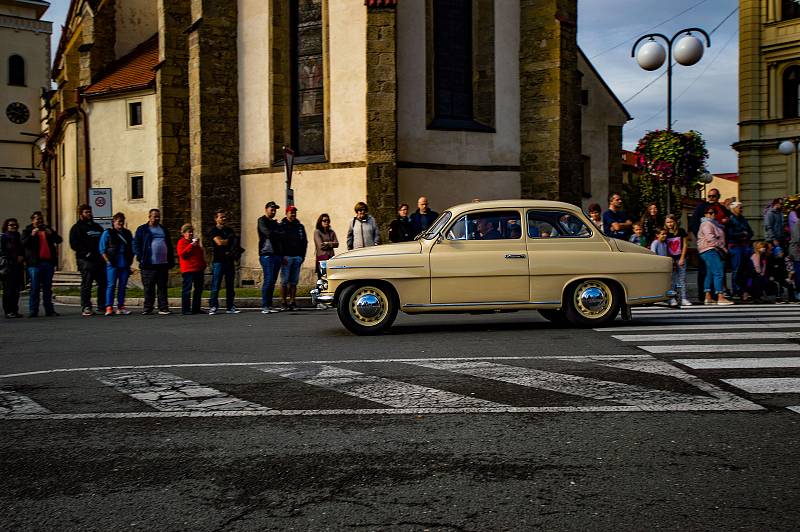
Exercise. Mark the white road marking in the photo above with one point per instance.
(701, 327)
(389, 392)
(714, 308)
(767, 385)
(166, 392)
(739, 363)
(13, 403)
(678, 337)
(717, 348)
(794, 409)
(716, 318)
(563, 383)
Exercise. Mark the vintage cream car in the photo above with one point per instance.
(496, 256)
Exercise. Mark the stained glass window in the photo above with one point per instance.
(307, 88)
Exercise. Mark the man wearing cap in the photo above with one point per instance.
(295, 243)
(739, 236)
(270, 254)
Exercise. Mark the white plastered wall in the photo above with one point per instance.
(445, 188)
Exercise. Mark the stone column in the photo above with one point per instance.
(213, 113)
(550, 114)
(98, 31)
(614, 159)
(172, 111)
(382, 112)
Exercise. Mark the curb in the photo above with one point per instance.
(242, 303)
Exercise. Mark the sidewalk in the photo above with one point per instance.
(175, 302)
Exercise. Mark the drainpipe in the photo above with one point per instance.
(86, 144)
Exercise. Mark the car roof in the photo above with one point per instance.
(513, 204)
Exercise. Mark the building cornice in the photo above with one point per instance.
(26, 24)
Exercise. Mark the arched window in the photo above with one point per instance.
(16, 70)
(791, 94)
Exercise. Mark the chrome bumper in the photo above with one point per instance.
(318, 295)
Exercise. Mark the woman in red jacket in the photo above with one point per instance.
(192, 260)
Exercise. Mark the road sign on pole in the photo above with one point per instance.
(100, 202)
(288, 163)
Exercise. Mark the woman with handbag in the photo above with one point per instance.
(325, 240)
(11, 267)
(711, 246)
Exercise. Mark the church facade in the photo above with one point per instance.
(382, 101)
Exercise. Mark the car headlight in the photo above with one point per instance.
(323, 267)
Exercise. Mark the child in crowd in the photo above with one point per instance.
(759, 278)
(676, 248)
(777, 273)
(596, 216)
(659, 244)
(638, 236)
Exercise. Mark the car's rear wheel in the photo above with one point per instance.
(366, 309)
(557, 316)
(592, 302)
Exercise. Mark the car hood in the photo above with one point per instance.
(630, 247)
(400, 248)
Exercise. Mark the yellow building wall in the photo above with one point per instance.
(67, 201)
(445, 188)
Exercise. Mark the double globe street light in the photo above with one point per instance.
(687, 52)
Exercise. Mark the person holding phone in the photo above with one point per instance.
(192, 260)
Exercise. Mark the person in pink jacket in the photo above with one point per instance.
(711, 246)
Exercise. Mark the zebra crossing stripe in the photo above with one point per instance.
(716, 348)
(701, 327)
(767, 385)
(725, 309)
(673, 337)
(627, 394)
(795, 409)
(13, 403)
(380, 390)
(739, 363)
(167, 392)
(765, 317)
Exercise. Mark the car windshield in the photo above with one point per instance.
(436, 227)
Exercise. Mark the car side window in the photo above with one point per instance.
(554, 224)
(486, 225)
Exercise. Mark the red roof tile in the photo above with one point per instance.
(131, 72)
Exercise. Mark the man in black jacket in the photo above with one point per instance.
(295, 243)
(39, 241)
(84, 239)
(269, 254)
(423, 218)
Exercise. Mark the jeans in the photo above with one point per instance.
(190, 302)
(117, 277)
(271, 266)
(679, 278)
(155, 277)
(291, 271)
(41, 277)
(739, 254)
(715, 271)
(92, 272)
(218, 271)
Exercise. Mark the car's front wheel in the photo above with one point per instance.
(592, 302)
(366, 309)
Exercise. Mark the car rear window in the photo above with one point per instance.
(555, 224)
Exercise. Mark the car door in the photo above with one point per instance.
(560, 246)
(481, 258)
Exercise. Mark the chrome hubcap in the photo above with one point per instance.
(593, 299)
(369, 306)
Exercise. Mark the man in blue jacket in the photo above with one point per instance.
(153, 249)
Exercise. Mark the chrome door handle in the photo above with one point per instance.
(515, 256)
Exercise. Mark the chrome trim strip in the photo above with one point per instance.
(489, 304)
(370, 267)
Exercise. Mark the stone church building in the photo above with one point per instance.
(185, 105)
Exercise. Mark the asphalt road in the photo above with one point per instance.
(288, 422)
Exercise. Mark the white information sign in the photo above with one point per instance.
(100, 201)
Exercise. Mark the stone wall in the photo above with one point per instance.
(614, 159)
(172, 110)
(214, 113)
(550, 132)
(99, 37)
(382, 114)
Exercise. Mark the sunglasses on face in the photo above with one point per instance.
(713, 195)
(325, 220)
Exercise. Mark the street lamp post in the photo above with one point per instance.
(789, 147)
(687, 51)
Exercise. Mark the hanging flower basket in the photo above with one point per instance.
(671, 157)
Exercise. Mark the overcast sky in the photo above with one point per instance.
(606, 31)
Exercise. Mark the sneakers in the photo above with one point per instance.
(122, 311)
(147, 312)
(780, 301)
(109, 311)
(269, 310)
(673, 302)
(12, 315)
(87, 311)
(164, 312)
(709, 301)
(212, 311)
(722, 300)
(232, 310)
(685, 302)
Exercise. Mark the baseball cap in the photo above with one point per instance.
(272, 204)
(291, 208)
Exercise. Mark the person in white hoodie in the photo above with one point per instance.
(363, 231)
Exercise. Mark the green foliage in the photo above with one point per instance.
(672, 158)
